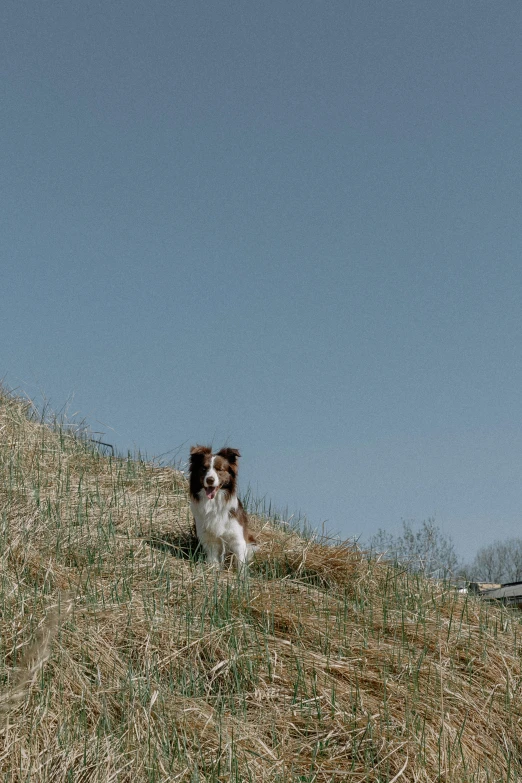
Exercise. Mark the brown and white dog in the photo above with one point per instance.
(221, 520)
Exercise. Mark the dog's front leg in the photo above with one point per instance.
(214, 551)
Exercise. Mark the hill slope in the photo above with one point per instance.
(125, 658)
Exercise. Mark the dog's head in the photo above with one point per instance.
(213, 472)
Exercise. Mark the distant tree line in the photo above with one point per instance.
(426, 549)
(498, 562)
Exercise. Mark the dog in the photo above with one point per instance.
(221, 520)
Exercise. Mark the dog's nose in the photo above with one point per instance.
(210, 481)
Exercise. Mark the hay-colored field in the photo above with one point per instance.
(125, 658)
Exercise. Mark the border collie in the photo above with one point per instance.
(221, 520)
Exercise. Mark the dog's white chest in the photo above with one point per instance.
(213, 516)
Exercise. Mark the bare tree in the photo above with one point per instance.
(425, 549)
(498, 562)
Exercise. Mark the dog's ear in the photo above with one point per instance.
(229, 454)
(199, 451)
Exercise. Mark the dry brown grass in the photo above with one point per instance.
(125, 658)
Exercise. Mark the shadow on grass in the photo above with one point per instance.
(184, 545)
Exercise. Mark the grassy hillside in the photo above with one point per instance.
(124, 657)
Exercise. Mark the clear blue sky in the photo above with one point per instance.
(291, 226)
